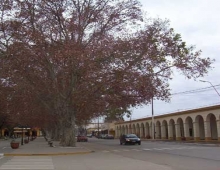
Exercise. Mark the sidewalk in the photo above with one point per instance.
(40, 147)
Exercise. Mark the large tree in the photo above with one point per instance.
(80, 58)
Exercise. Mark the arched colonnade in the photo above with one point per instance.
(198, 124)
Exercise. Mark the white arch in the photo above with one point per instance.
(180, 129)
(129, 128)
(142, 131)
(126, 129)
(211, 130)
(164, 129)
(133, 129)
(171, 130)
(188, 128)
(147, 127)
(199, 128)
(138, 131)
(158, 130)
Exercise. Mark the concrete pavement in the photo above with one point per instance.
(40, 147)
(109, 155)
(38, 154)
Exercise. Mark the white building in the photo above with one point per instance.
(196, 124)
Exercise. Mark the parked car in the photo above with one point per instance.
(109, 137)
(103, 136)
(89, 135)
(82, 138)
(130, 139)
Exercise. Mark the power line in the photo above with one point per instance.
(196, 90)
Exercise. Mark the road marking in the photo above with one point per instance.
(181, 148)
(192, 148)
(1, 155)
(167, 148)
(116, 150)
(105, 151)
(158, 149)
(28, 163)
(136, 150)
(147, 149)
(126, 150)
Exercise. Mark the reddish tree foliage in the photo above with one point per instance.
(80, 59)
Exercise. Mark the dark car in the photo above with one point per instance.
(82, 138)
(130, 139)
(109, 137)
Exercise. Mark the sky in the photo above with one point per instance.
(198, 22)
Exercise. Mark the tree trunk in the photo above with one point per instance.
(48, 133)
(55, 134)
(68, 130)
(68, 137)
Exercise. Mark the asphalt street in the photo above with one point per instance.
(110, 155)
(180, 156)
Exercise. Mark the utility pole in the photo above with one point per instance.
(153, 131)
(130, 124)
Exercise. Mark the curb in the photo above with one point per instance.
(45, 154)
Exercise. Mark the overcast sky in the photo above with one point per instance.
(198, 21)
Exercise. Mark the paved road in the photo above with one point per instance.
(175, 155)
(110, 155)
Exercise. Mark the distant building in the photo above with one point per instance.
(17, 132)
(103, 128)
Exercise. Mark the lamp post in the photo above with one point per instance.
(153, 133)
(130, 125)
(20, 127)
(98, 127)
(22, 137)
(28, 134)
(211, 85)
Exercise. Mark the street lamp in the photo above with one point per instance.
(130, 125)
(22, 137)
(24, 129)
(98, 127)
(20, 127)
(153, 131)
(211, 85)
